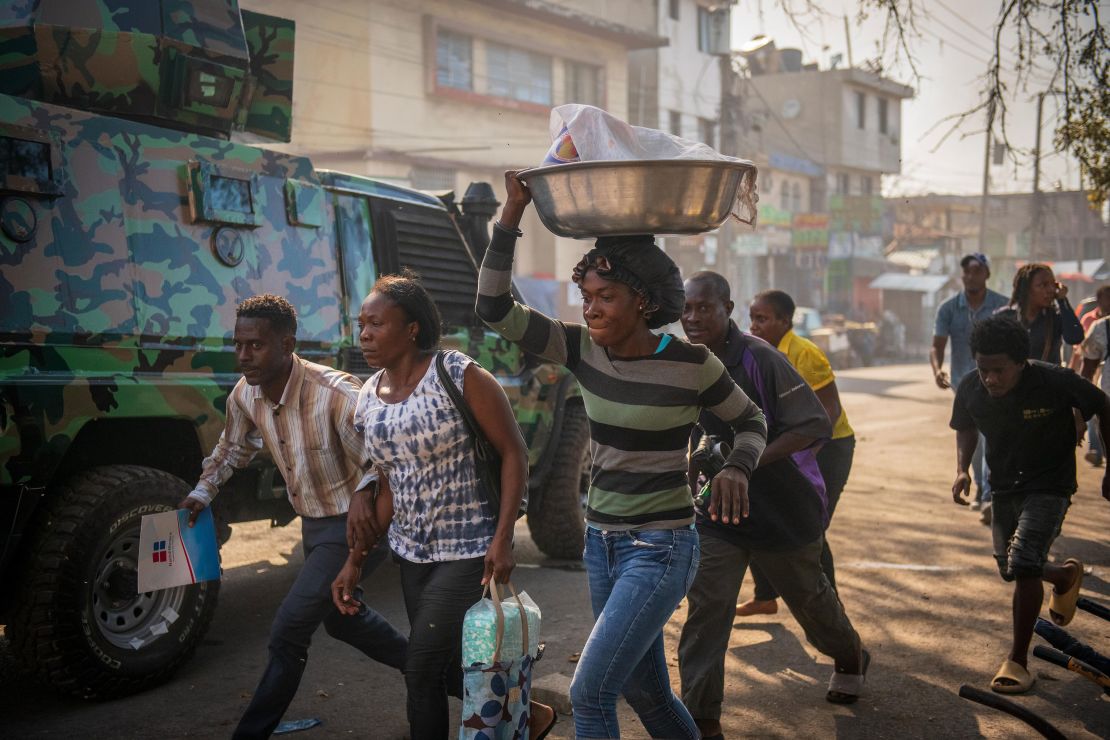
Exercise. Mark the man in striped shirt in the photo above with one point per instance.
(303, 414)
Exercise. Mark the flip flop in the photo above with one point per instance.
(845, 688)
(1017, 673)
(554, 720)
(1061, 607)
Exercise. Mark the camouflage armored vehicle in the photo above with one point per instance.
(132, 220)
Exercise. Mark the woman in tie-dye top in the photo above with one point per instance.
(642, 393)
(443, 533)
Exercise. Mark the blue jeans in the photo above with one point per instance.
(305, 607)
(1094, 437)
(637, 579)
(980, 471)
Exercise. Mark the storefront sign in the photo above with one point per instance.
(862, 214)
(771, 216)
(811, 231)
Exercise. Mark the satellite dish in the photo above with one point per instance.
(791, 108)
(758, 43)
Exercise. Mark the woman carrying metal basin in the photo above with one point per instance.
(643, 393)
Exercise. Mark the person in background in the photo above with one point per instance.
(1095, 349)
(1025, 409)
(446, 538)
(954, 321)
(772, 317)
(1089, 350)
(642, 393)
(783, 535)
(1040, 304)
(295, 409)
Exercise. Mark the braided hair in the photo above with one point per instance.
(1023, 281)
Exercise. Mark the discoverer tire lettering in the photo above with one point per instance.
(79, 624)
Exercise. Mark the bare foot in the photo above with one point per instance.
(540, 719)
(1077, 568)
(755, 606)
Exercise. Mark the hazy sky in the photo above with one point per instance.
(952, 52)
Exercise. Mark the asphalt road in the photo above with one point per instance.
(914, 571)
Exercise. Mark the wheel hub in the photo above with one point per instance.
(124, 616)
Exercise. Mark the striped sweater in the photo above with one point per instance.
(641, 410)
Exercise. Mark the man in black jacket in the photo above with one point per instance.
(784, 533)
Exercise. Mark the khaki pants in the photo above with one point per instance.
(799, 580)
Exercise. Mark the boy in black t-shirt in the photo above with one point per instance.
(1024, 409)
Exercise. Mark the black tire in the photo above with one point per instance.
(557, 518)
(77, 609)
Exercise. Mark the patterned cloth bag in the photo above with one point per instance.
(497, 692)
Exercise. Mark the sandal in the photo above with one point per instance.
(554, 719)
(1019, 678)
(845, 688)
(1061, 607)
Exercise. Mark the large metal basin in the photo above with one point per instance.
(618, 197)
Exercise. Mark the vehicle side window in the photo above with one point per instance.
(356, 254)
(28, 161)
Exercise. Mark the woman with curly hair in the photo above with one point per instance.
(642, 392)
(1041, 305)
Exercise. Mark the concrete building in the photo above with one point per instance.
(678, 88)
(1057, 227)
(436, 94)
(825, 138)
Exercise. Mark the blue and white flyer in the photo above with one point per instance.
(173, 554)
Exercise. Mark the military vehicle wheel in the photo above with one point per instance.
(556, 520)
(80, 625)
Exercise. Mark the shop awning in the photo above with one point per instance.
(1086, 271)
(909, 283)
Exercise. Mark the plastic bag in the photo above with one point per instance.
(480, 630)
(593, 134)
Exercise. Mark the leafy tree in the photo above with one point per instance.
(1067, 36)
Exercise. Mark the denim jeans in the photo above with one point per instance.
(637, 579)
(437, 596)
(305, 607)
(1094, 438)
(980, 471)
(1023, 528)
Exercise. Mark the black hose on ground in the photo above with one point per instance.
(994, 701)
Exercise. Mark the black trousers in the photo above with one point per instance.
(308, 605)
(835, 462)
(437, 596)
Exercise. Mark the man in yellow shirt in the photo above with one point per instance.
(772, 317)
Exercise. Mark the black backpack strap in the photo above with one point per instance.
(1106, 352)
(456, 395)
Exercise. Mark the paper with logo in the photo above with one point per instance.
(173, 554)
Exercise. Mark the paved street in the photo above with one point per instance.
(915, 574)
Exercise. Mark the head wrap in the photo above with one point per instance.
(638, 263)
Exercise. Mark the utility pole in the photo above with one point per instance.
(848, 41)
(986, 178)
(1035, 237)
